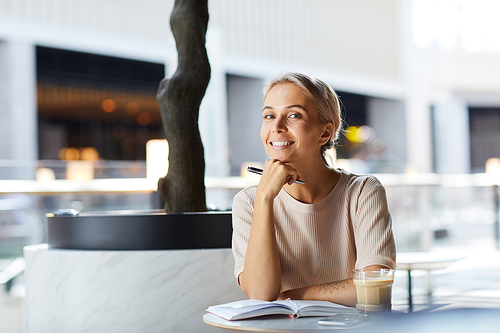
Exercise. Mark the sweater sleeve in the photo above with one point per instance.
(374, 239)
(242, 223)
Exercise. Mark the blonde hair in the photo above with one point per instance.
(323, 97)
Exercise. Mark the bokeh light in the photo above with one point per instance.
(74, 154)
(132, 108)
(108, 105)
(358, 134)
(69, 154)
(144, 118)
(89, 154)
(119, 132)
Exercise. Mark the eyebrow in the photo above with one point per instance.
(288, 107)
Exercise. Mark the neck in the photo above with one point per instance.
(319, 182)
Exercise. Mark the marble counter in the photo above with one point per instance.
(125, 291)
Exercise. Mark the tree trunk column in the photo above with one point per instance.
(179, 99)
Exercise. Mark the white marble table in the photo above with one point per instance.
(125, 291)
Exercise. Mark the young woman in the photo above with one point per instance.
(303, 241)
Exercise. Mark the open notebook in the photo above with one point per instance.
(253, 308)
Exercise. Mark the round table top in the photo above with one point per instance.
(452, 320)
(425, 260)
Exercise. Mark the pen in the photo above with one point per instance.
(259, 172)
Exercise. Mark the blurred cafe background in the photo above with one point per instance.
(80, 126)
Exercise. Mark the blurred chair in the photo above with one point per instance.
(17, 229)
(14, 268)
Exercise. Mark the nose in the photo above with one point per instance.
(280, 125)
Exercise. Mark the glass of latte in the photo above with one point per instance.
(373, 290)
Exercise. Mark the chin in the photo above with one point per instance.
(278, 157)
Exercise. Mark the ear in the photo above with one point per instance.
(327, 133)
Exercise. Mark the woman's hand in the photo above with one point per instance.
(276, 174)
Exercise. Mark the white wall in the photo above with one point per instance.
(132, 29)
(388, 119)
(245, 102)
(452, 136)
(416, 97)
(18, 129)
(336, 38)
(358, 37)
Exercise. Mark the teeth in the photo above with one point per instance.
(280, 144)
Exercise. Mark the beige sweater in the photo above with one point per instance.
(323, 242)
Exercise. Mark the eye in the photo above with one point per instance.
(268, 116)
(295, 116)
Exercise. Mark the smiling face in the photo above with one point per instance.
(291, 131)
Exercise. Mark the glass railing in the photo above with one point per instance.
(429, 211)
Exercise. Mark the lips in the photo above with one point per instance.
(281, 144)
